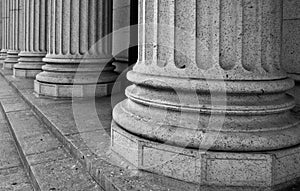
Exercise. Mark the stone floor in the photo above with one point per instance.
(12, 172)
(63, 147)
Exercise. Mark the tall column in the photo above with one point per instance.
(13, 49)
(74, 59)
(208, 104)
(1, 30)
(5, 20)
(291, 43)
(30, 61)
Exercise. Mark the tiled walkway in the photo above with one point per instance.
(12, 173)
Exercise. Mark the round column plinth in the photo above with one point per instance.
(11, 59)
(270, 170)
(75, 90)
(29, 64)
(92, 78)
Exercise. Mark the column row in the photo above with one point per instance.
(65, 45)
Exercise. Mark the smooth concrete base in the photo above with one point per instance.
(78, 91)
(22, 73)
(257, 169)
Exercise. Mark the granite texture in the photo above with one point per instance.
(46, 160)
(208, 103)
(80, 53)
(30, 62)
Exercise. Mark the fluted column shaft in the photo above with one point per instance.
(34, 50)
(14, 29)
(75, 27)
(5, 20)
(208, 77)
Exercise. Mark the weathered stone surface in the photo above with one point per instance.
(9, 156)
(30, 62)
(14, 179)
(13, 104)
(45, 158)
(209, 77)
(15, 12)
(260, 169)
(75, 58)
(4, 20)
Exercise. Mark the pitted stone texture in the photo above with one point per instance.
(67, 91)
(257, 169)
(291, 46)
(23, 73)
(34, 49)
(291, 9)
(79, 54)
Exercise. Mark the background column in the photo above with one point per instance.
(34, 50)
(14, 30)
(4, 28)
(75, 28)
(291, 43)
(209, 102)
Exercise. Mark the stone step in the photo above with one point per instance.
(46, 160)
(75, 124)
(12, 173)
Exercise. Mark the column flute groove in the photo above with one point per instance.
(14, 43)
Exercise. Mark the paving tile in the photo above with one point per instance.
(13, 178)
(25, 123)
(66, 174)
(39, 143)
(44, 157)
(9, 155)
(14, 104)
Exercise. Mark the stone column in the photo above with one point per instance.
(13, 49)
(209, 102)
(30, 62)
(75, 27)
(1, 30)
(291, 43)
(5, 20)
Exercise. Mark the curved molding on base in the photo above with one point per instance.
(11, 59)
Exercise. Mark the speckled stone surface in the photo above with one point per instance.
(12, 172)
(93, 151)
(79, 54)
(48, 163)
(291, 43)
(209, 78)
(34, 49)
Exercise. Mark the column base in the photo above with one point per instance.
(29, 64)
(74, 91)
(24, 73)
(3, 54)
(11, 59)
(271, 169)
